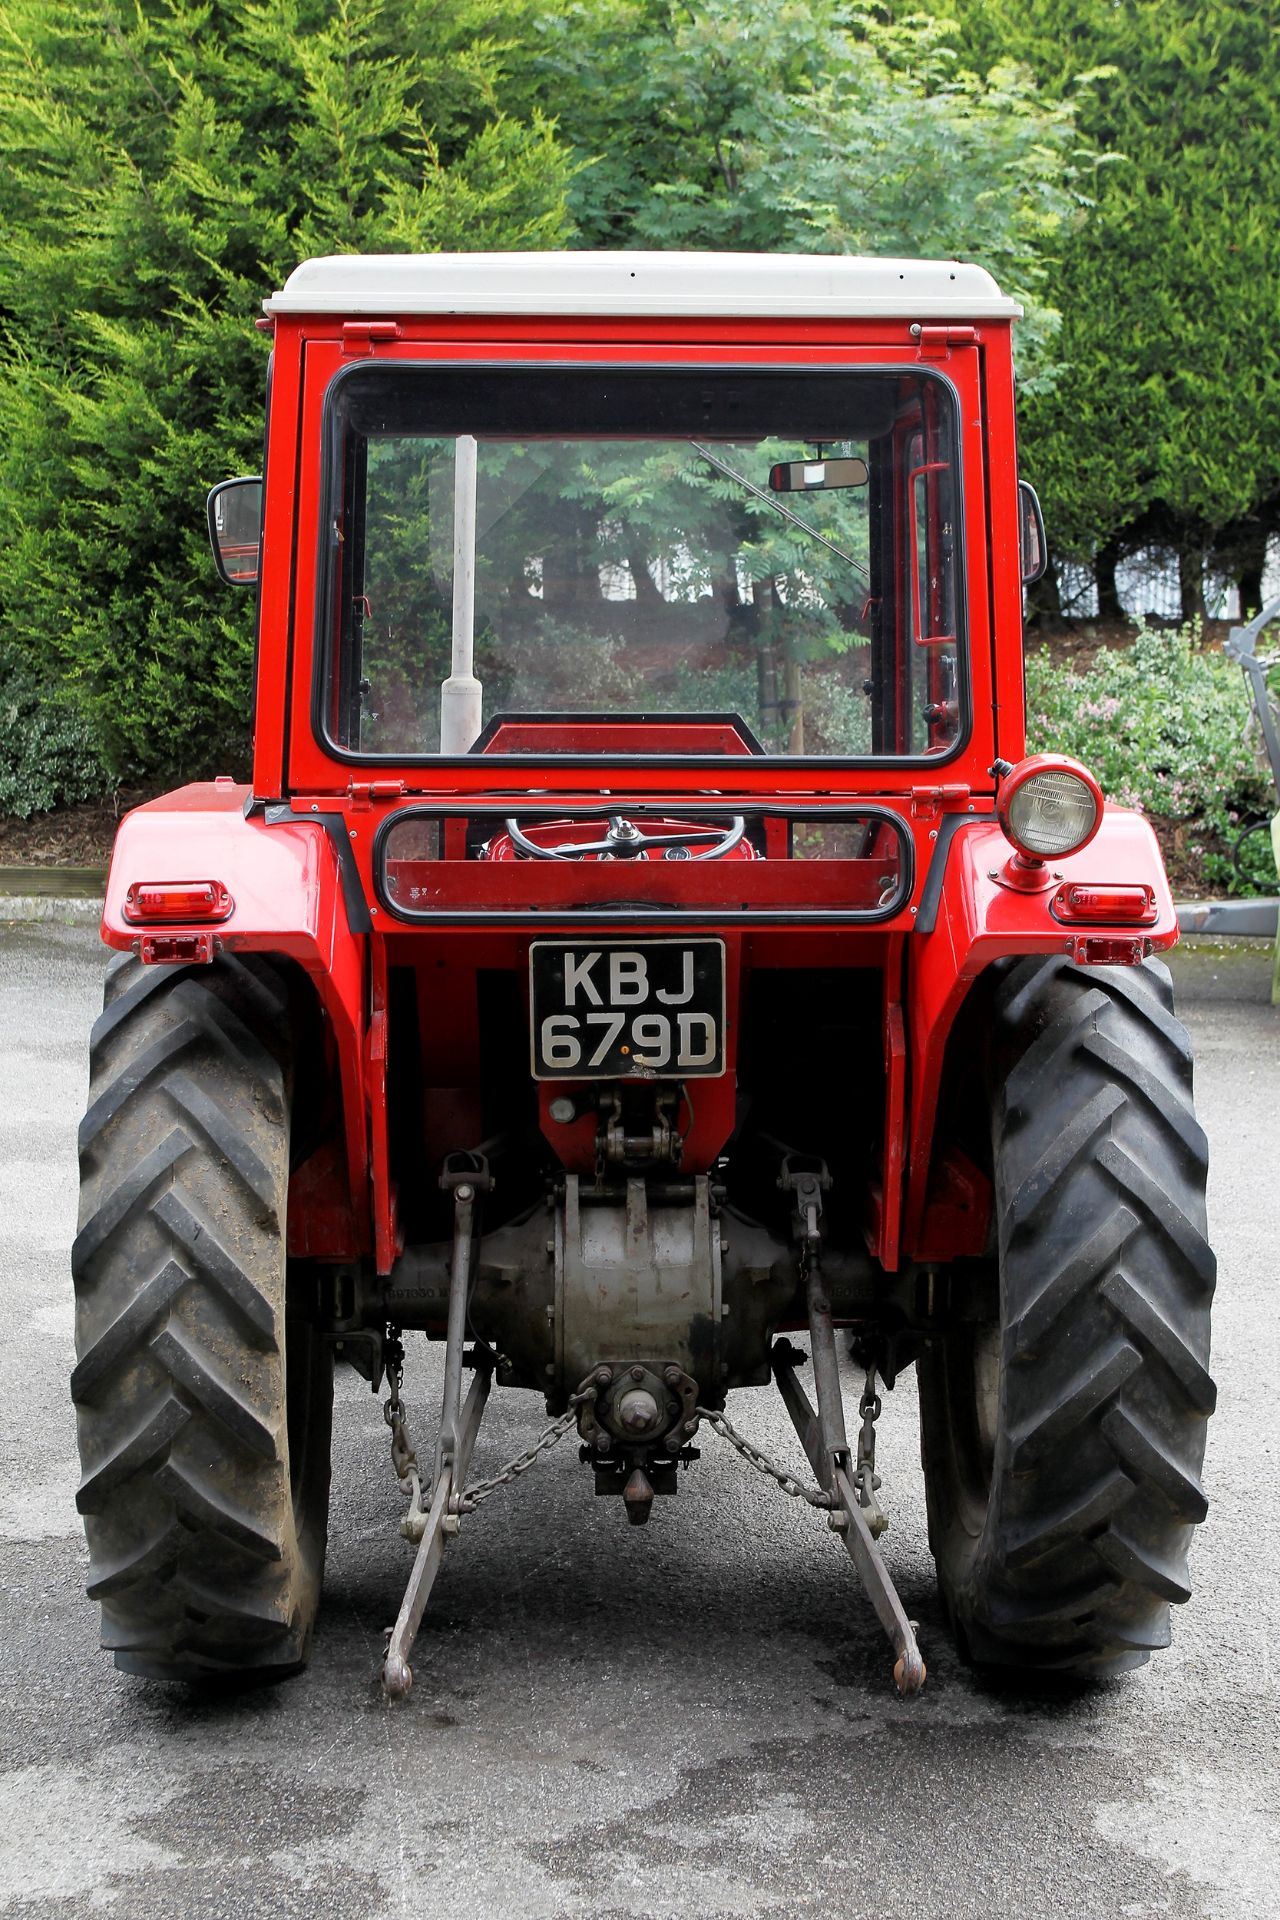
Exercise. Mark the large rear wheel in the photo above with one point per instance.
(1063, 1440)
(203, 1398)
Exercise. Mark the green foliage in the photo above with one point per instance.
(161, 167)
(802, 124)
(48, 756)
(164, 162)
(1165, 727)
(1163, 423)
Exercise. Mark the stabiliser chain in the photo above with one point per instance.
(845, 1490)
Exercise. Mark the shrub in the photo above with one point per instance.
(161, 167)
(1165, 727)
(49, 756)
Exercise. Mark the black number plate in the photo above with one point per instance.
(640, 1009)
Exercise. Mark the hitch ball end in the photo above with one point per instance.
(909, 1674)
(397, 1677)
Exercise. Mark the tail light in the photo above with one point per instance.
(170, 949)
(1116, 906)
(171, 902)
(1105, 950)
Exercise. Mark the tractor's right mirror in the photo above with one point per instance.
(1035, 548)
(235, 529)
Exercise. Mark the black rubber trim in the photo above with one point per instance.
(722, 763)
(927, 918)
(631, 910)
(359, 919)
(628, 913)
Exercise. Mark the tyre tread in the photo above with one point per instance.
(1106, 1279)
(195, 1555)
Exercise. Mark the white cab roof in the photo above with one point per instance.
(717, 285)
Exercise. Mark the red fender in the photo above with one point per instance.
(979, 918)
(285, 877)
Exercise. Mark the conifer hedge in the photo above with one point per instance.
(161, 168)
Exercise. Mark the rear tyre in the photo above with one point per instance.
(1062, 1443)
(203, 1400)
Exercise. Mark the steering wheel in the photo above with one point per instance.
(623, 840)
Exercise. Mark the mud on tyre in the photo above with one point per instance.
(1063, 1443)
(203, 1398)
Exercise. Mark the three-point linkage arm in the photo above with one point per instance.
(459, 1424)
(822, 1431)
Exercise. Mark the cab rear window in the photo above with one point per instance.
(780, 547)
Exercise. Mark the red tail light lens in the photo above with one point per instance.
(176, 901)
(1117, 906)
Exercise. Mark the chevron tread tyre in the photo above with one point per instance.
(203, 1400)
(1063, 1445)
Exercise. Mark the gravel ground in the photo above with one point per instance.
(696, 1718)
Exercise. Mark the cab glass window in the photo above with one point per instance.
(779, 546)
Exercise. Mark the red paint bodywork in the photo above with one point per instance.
(280, 849)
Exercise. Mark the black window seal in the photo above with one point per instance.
(927, 917)
(280, 814)
(322, 650)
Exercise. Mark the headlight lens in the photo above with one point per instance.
(1051, 812)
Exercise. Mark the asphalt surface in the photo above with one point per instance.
(696, 1718)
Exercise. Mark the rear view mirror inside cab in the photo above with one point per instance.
(816, 476)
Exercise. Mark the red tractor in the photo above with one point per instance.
(644, 939)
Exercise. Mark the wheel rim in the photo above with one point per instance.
(299, 1382)
(986, 1396)
(973, 1407)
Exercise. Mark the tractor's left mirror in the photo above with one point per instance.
(235, 529)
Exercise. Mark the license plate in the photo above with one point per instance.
(639, 1010)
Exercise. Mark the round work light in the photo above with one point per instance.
(1049, 806)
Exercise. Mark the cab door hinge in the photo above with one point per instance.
(361, 336)
(936, 342)
(363, 792)
(926, 801)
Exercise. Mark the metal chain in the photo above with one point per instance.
(404, 1460)
(865, 1475)
(816, 1496)
(405, 1463)
(480, 1490)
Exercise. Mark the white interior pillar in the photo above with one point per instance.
(460, 695)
